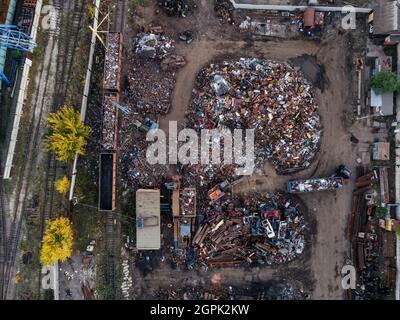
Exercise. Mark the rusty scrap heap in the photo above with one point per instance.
(188, 202)
(178, 8)
(224, 10)
(112, 61)
(153, 95)
(110, 120)
(151, 81)
(251, 229)
(268, 96)
(136, 172)
(152, 74)
(154, 46)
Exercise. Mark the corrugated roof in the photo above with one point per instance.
(381, 151)
(309, 18)
(148, 230)
(383, 102)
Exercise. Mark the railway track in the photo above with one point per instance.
(111, 253)
(112, 222)
(73, 19)
(73, 10)
(3, 237)
(32, 143)
(119, 16)
(73, 26)
(48, 192)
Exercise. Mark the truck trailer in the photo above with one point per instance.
(314, 185)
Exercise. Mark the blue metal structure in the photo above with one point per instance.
(12, 38)
(15, 61)
(4, 78)
(122, 108)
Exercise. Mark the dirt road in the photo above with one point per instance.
(328, 212)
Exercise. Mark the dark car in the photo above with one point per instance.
(186, 36)
(343, 172)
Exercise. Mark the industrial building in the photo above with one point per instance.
(386, 18)
(7, 11)
(382, 103)
(381, 151)
(148, 226)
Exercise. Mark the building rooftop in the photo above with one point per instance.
(381, 151)
(148, 230)
(382, 102)
(386, 18)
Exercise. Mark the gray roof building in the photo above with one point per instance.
(387, 18)
(148, 226)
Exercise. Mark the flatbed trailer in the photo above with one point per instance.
(314, 185)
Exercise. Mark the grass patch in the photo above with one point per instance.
(128, 219)
(86, 187)
(132, 6)
(88, 225)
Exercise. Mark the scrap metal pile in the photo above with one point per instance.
(148, 95)
(288, 290)
(192, 293)
(224, 10)
(291, 290)
(150, 88)
(188, 202)
(136, 172)
(268, 96)
(151, 77)
(154, 46)
(251, 229)
(310, 185)
(112, 61)
(204, 177)
(178, 8)
(110, 118)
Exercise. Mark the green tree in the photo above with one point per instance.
(385, 81)
(68, 134)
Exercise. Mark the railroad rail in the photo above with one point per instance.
(69, 26)
(111, 253)
(22, 187)
(3, 240)
(73, 12)
(119, 16)
(112, 223)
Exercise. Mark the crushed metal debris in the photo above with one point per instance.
(178, 8)
(271, 97)
(250, 230)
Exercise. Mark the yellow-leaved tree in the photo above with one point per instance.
(68, 134)
(57, 241)
(62, 185)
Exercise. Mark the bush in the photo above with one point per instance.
(385, 81)
(57, 241)
(68, 134)
(62, 185)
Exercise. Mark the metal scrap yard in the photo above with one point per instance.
(219, 150)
